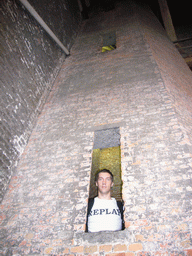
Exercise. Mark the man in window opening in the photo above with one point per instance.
(104, 212)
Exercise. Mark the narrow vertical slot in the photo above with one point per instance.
(107, 155)
(105, 206)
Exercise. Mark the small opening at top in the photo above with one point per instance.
(109, 41)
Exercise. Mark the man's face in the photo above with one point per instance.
(104, 183)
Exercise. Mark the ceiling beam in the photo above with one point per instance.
(167, 21)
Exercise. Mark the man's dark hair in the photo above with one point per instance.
(103, 170)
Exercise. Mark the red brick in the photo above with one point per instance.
(90, 249)
(120, 248)
(116, 254)
(135, 247)
(161, 253)
(78, 249)
(23, 243)
(105, 248)
(127, 224)
(139, 238)
(189, 252)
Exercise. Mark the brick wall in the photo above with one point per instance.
(30, 62)
(174, 71)
(44, 210)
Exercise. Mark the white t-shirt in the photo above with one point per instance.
(104, 216)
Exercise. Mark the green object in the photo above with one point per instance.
(108, 48)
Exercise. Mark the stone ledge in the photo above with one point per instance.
(103, 237)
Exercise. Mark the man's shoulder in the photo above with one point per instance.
(119, 202)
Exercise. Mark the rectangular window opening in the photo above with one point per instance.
(109, 42)
(107, 155)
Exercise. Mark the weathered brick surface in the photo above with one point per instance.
(30, 62)
(120, 247)
(44, 210)
(105, 248)
(135, 247)
(174, 71)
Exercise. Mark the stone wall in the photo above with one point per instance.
(30, 62)
(44, 210)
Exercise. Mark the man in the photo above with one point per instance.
(104, 212)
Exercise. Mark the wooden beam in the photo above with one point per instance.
(166, 16)
(80, 5)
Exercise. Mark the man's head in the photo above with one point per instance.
(104, 182)
(103, 171)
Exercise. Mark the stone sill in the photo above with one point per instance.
(103, 237)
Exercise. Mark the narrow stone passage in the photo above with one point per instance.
(44, 210)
